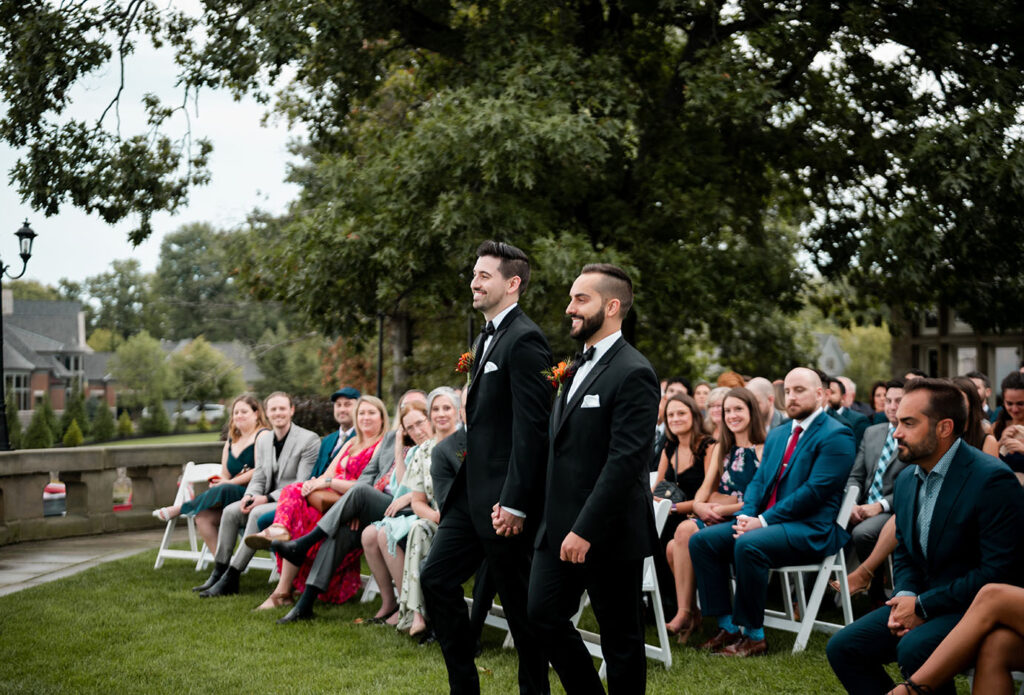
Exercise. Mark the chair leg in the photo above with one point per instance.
(811, 611)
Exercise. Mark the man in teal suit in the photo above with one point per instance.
(344, 401)
(958, 518)
(788, 517)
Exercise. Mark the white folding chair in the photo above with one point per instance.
(808, 608)
(193, 473)
(661, 651)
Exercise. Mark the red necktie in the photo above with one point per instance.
(785, 462)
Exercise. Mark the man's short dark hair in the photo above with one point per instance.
(836, 380)
(512, 261)
(679, 380)
(615, 284)
(278, 394)
(945, 401)
(920, 373)
(981, 376)
(894, 384)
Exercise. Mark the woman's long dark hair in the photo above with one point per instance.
(696, 431)
(1015, 381)
(974, 433)
(756, 429)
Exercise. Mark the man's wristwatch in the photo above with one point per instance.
(919, 609)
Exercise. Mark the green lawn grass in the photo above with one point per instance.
(124, 627)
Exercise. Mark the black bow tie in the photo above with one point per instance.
(586, 355)
(488, 329)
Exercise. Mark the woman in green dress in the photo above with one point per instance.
(237, 462)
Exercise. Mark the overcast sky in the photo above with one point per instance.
(248, 166)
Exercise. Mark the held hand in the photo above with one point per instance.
(248, 502)
(507, 524)
(902, 618)
(574, 549)
(870, 510)
(1012, 445)
(857, 514)
(745, 524)
(308, 487)
(707, 513)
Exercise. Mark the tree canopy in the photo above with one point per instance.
(704, 145)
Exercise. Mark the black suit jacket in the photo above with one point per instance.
(506, 424)
(597, 478)
(854, 420)
(974, 537)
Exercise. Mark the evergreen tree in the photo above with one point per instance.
(74, 411)
(73, 437)
(50, 418)
(125, 428)
(39, 434)
(103, 425)
(156, 422)
(13, 422)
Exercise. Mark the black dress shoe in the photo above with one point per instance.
(296, 614)
(290, 551)
(428, 637)
(227, 585)
(217, 573)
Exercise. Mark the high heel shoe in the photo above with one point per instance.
(276, 600)
(917, 688)
(263, 539)
(687, 628)
(834, 584)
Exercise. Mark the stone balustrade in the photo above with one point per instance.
(89, 473)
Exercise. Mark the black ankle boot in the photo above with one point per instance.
(294, 551)
(303, 608)
(218, 571)
(227, 585)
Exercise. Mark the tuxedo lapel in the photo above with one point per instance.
(591, 377)
(480, 360)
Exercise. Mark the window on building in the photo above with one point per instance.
(17, 384)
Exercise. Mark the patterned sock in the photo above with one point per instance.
(725, 622)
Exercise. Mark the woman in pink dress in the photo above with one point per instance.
(295, 516)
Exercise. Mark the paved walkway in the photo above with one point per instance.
(28, 564)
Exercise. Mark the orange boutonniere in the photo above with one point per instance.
(559, 374)
(465, 365)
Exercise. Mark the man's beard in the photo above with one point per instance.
(920, 451)
(802, 413)
(589, 325)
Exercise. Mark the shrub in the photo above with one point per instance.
(103, 426)
(156, 422)
(204, 424)
(314, 413)
(125, 428)
(13, 422)
(39, 434)
(74, 410)
(73, 437)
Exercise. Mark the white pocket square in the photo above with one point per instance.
(490, 367)
(591, 400)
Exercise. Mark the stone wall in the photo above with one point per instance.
(89, 473)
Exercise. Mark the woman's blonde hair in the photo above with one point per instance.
(381, 408)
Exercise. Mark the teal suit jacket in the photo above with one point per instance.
(974, 538)
(811, 488)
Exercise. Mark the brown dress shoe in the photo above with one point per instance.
(721, 639)
(744, 647)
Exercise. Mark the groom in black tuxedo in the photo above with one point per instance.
(598, 521)
(501, 481)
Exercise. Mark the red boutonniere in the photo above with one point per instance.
(461, 456)
(465, 364)
(559, 374)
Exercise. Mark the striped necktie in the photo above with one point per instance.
(888, 450)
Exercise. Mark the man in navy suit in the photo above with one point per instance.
(958, 518)
(835, 391)
(344, 402)
(507, 408)
(788, 517)
(598, 520)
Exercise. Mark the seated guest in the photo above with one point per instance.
(732, 465)
(730, 380)
(874, 472)
(713, 423)
(878, 390)
(990, 637)
(958, 517)
(682, 464)
(984, 387)
(974, 431)
(764, 392)
(850, 399)
(237, 462)
(343, 403)
(700, 396)
(673, 386)
(281, 460)
(914, 374)
(1009, 426)
(338, 532)
(836, 391)
(788, 517)
(302, 504)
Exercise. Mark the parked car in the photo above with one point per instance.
(213, 412)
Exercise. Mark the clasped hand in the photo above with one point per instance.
(744, 524)
(504, 522)
(902, 617)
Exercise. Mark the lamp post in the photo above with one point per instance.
(25, 238)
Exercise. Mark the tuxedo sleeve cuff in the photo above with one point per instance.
(515, 512)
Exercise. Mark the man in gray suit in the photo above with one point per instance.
(341, 528)
(764, 392)
(874, 472)
(282, 458)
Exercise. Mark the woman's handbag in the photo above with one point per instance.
(667, 489)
